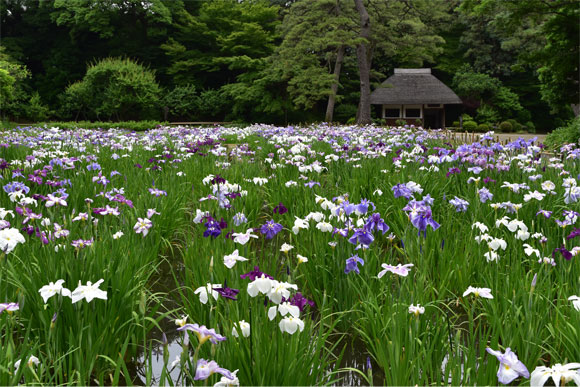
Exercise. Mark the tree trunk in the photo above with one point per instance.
(364, 106)
(334, 88)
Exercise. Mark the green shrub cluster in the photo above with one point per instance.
(185, 103)
(506, 127)
(482, 128)
(114, 89)
(137, 126)
(470, 126)
(569, 134)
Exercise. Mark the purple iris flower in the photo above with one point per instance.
(35, 179)
(363, 207)
(256, 273)
(428, 200)
(452, 171)
(565, 253)
(340, 231)
(16, 186)
(203, 333)
(94, 167)
(228, 292)
(300, 301)
(363, 236)
(352, 264)
(82, 243)
(17, 173)
(460, 204)
(206, 368)
(510, 367)
(218, 180)
(240, 218)
(563, 223)
(402, 190)
(488, 180)
(376, 223)
(573, 234)
(484, 195)
(345, 207)
(420, 216)
(212, 228)
(270, 229)
(280, 209)
(157, 192)
(311, 184)
(223, 224)
(546, 214)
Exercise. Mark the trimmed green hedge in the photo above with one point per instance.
(137, 126)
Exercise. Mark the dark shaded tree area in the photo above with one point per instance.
(284, 61)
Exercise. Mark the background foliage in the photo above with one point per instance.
(277, 61)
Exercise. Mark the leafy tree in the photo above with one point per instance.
(105, 17)
(315, 39)
(13, 93)
(221, 40)
(544, 36)
(487, 94)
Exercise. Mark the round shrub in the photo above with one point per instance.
(119, 89)
(455, 124)
(516, 126)
(482, 128)
(505, 127)
(530, 127)
(470, 126)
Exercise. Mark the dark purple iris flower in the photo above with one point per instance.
(35, 179)
(256, 273)
(565, 253)
(223, 224)
(488, 180)
(218, 180)
(270, 229)
(228, 292)
(376, 223)
(453, 171)
(212, 228)
(280, 209)
(573, 234)
(300, 301)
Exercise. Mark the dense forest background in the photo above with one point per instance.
(279, 61)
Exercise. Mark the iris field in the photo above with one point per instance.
(263, 255)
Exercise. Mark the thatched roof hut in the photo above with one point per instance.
(414, 95)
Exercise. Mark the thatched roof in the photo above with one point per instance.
(413, 86)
